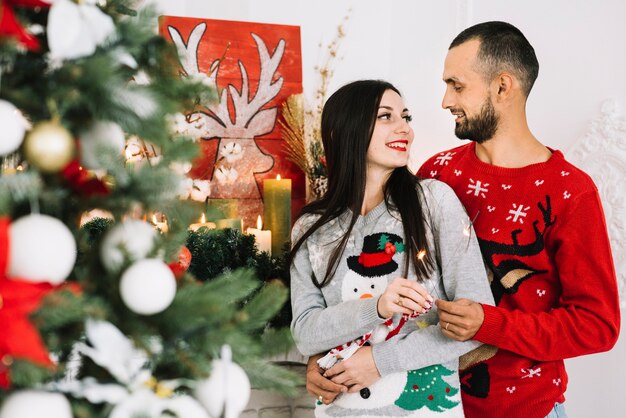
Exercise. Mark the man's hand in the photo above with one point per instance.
(460, 320)
(317, 385)
(357, 372)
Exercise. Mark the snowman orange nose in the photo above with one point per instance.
(366, 296)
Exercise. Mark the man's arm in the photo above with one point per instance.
(587, 318)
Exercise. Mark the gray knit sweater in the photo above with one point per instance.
(419, 365)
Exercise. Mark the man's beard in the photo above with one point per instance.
(479, 128)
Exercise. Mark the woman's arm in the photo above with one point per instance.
(315, 326)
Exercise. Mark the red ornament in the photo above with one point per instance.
(182, 264)
(431, 397)
(19, 339)
(83, 181)
(390, 248)
(11, 28)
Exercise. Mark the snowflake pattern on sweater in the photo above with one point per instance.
(542, 234)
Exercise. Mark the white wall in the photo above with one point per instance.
(580, 46)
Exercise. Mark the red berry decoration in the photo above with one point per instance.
(390, 248)
(83, 181)
(182, 264)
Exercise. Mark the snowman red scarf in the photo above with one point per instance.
(345, 351)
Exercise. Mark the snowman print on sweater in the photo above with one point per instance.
(367, 272)
(394, 394)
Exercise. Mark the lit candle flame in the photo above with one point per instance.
(154, 219)
(203, 219)
(259, 223)
(278, 177)
(421, 255)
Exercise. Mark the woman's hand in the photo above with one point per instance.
(357, 372)
(405, 297)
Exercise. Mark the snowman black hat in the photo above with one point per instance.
(374, 260)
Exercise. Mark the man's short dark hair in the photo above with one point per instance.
(503, 47)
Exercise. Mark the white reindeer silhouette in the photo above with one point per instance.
(238, 157)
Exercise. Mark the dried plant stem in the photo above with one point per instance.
(292, 125)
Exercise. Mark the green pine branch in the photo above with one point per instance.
(231, 294)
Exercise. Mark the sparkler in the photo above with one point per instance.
(467, 231)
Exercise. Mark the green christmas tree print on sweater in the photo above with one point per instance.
(426, 387)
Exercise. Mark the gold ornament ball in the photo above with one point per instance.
(49, 147)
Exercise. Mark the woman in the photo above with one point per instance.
(364, 256)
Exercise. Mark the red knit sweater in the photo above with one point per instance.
(543, 236)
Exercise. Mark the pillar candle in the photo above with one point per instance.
(202, 223)
(277, 211)
(262, 237)
(228, 208)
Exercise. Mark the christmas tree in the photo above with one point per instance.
(426, 388)
(102, 318)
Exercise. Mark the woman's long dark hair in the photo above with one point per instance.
(348, 120)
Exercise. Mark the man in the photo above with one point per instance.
(542, 234)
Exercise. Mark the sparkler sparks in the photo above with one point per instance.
(467, 231)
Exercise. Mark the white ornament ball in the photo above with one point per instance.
(227, 390)
(131, 240)
(41, 249)
(32, 403)
(101, 136)
(148, 286)
(13, 128)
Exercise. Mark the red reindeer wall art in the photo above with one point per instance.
(254, 68)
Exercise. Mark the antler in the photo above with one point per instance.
(188, 56)
(511, 272)
(188, 53)
(250, 120)
(266, 90)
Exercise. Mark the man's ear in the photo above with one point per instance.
(504, 86)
